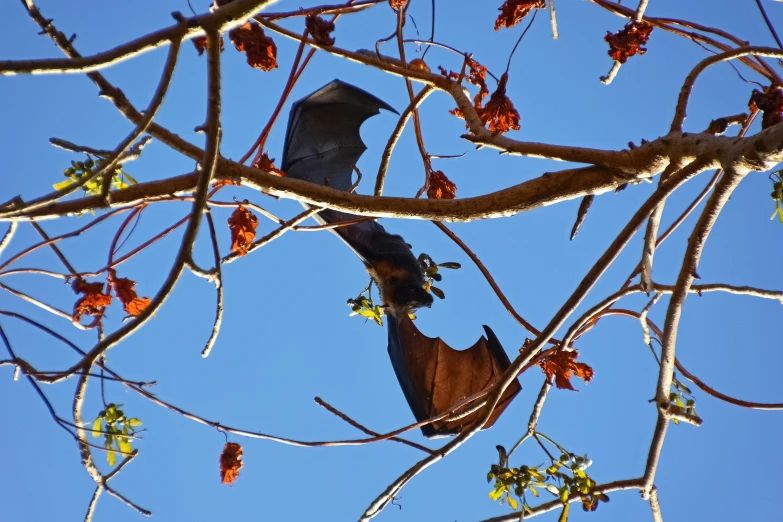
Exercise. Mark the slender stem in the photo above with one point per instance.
(218, 288)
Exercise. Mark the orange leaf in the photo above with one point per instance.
(230, 463)
(320, 29)
(397, 4)
(260, 50)
(628, 41)
(267, 165)
(94, 301)
(243, 229)
(562, 366)
(513, 11)
(500, 112)
(441, 187)
(477, 75)
(200, 42)
(123, 288)
(418, 63)
(224, 182)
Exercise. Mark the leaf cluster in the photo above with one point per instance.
(682, 398)
(431, 271)
(564, 478)
(365, 307)
(116, 429)
(84, 169)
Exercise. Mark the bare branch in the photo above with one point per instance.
(93, 503)
(655, 506)
(225, 18)
(218, 287)
(288, 225)
(503, 299)
(690, 80)
(346, 418)
(8, 236)
(395, 136)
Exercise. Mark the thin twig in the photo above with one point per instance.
(503, 299)
(218, 288)
(769, 24)
(395, 136)
(355, 424)
(8, 236)
(529, 25)
(255, 245)
(54, 248)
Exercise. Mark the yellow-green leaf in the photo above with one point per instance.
(110, 458)
(496, 493)
(513, 503)
(533, 490)
(96, 428)
(68, 182)
(124, 445)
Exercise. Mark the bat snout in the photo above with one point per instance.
(414, 296)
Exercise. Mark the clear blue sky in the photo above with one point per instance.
(286, 335)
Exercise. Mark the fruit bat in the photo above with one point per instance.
(322, 146)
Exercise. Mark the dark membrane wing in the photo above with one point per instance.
(322, 146)
(327, 119)
(434, 377)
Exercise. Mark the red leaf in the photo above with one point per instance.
(200, 42)
(94, 301)
(260, 50)
(123, 288)
(562, 366)
(500, 113)
(770, 102)
(225, 182)
(441, 187)
(320, 29)
(628, 41)
(230, 463)
(267, 165)
(243, 229)
(513, 11)
(418, 63)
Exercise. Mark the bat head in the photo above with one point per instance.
(401, 281)
(410, 295)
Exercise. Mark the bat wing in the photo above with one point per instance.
(323, 144)
(434, 377)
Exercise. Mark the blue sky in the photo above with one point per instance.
(286, 335)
